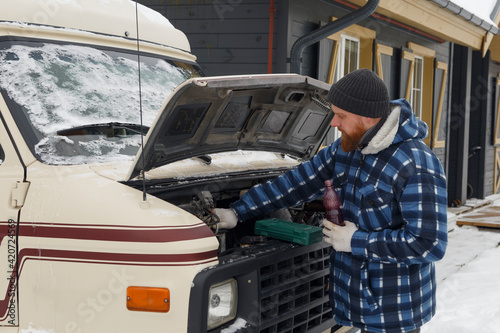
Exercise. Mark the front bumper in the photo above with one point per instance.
(282, 287)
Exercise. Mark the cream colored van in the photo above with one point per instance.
(114, 152)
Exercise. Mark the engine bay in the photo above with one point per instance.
(201, 197)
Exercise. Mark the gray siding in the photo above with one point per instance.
(304, 17)
(228, 37)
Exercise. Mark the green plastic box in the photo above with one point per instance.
(293, 232)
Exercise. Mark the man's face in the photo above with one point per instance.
(352, 127)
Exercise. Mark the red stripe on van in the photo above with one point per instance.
(183, 259)
(111, 233)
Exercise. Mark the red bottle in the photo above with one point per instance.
(331, 201)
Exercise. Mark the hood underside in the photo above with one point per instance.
(285, 113)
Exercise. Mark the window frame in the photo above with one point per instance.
(342, 59)
(436, 142)
(417, 90)
(341, 65)
(496, 139)
(496, 177)
(366, 39)
(429, 57)
(380, 50)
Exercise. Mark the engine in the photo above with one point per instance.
(203, 206)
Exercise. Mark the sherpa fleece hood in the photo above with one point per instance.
(390, 133)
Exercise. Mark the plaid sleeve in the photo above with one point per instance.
(302, 184)
(423, 236)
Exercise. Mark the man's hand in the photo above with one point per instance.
(227, 216)
(339, 237)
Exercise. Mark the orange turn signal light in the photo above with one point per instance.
(148, 299)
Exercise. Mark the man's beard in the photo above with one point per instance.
(350, 142)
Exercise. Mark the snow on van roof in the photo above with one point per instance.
(109, 17)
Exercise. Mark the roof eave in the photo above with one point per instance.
(427, 16)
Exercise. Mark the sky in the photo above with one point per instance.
(480, 8)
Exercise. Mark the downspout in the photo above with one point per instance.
(327, 30)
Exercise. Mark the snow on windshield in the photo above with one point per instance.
(63, 86)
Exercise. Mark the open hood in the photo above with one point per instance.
(285, 113)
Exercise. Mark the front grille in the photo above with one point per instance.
(282, 288)
(294, 291)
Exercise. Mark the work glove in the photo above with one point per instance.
(339, 236)
(227, 216)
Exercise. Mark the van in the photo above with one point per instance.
(115, 150)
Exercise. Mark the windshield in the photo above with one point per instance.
(54, 88)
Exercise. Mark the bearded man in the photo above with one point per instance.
(393, 189)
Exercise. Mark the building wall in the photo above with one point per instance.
(303, 17)
(483, 101)
(303, 12)
(232, 37)
(399, 39)
(228, 37)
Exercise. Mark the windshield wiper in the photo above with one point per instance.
(110, 130)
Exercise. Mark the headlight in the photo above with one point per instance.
(222, 303)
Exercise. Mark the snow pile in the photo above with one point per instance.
(469, 300)
(468, 278)
(464, 245)
(238, 323)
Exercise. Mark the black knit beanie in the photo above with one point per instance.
(361, 92)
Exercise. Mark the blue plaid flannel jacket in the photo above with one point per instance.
(395, 193)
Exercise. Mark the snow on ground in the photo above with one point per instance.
(468, 294)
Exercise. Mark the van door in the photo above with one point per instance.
(13, 189)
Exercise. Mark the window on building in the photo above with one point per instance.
(417, 82)
(352, 49)
(383, 57)
(349, 59)
(417, 86)
(439, 132)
